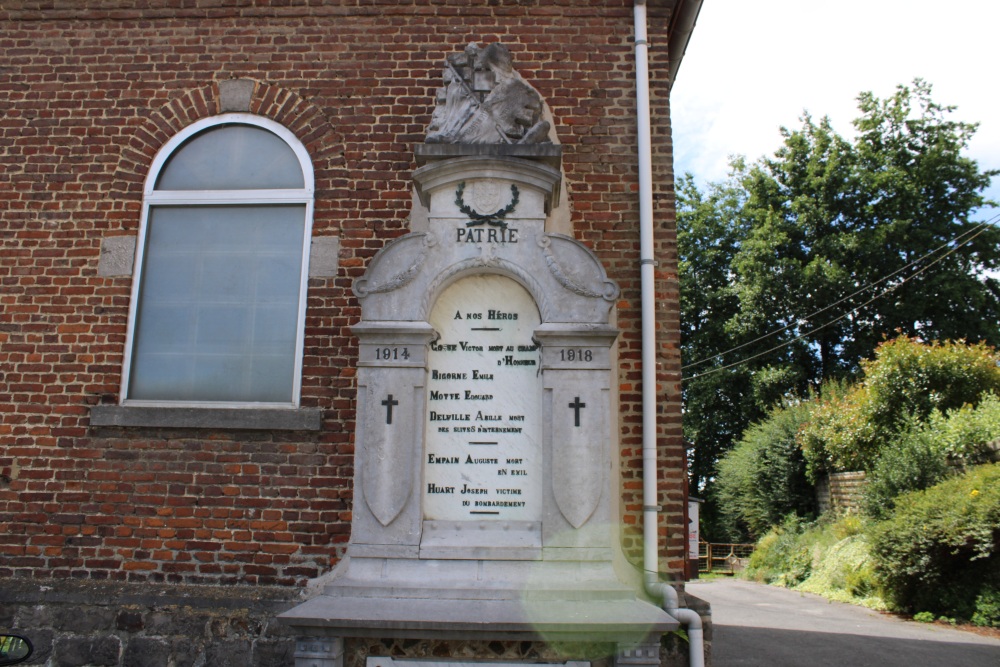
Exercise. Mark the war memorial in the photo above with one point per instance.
(484, 495)
(341, 334)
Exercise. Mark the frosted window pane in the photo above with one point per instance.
(232, 157)
(218, 305)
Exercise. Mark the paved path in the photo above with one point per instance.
(765, 625)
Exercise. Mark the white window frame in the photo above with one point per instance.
(152, 197)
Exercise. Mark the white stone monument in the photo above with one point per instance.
(486, 493)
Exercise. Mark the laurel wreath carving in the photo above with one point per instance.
(492, 219)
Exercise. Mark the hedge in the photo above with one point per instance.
(937, 552)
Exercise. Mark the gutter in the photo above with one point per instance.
(682, 22)
(650, 492)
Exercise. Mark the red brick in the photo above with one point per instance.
(94, 88)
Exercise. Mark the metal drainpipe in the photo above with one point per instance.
(650, 509)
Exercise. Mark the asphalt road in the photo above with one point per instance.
(754, 624)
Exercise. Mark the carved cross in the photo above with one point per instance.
(577, 406)
(388, 403)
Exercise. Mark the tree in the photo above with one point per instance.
(797, 257)
(763, 478)
(709, 231)
(721, 402)
(834, 246)
(831, 217)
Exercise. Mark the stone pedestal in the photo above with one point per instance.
(486, 484)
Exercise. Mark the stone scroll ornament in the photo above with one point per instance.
(484, 101)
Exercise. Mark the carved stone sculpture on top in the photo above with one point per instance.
(484, 101)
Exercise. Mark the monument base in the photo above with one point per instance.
(362, 652)
(579, 605)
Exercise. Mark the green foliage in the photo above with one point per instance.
(828, 558)
(763, 479)
(793, 261)
(920, 457)
(782, 556)
(830, 215)
(918, 192)
(906, 382)
(987, 612)
(844, 571)
(845, 526)
(965, 433)
(709, 230)
(784, 244)
(908, 377)
(916, 462)
(938, 551)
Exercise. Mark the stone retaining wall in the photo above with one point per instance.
(102, 624)
(840, 492)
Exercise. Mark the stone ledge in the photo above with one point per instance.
(15, 591)
(539, 175)
(617, 621)
(550, 154)
(262, 419)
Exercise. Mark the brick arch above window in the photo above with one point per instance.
(287, 108)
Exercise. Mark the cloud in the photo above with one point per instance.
(753, 67)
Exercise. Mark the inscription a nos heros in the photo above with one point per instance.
(483, 456)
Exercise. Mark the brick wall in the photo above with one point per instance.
(93, 88)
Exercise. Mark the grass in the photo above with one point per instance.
(827, 558)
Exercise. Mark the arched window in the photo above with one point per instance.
(219, 289)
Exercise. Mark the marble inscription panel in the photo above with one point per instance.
(482, 456)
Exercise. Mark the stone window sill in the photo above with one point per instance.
(263, 419)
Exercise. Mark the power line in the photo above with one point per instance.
(975, 230)
(978, 230)
(846, 298)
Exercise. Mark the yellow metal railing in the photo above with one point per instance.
(720, 558)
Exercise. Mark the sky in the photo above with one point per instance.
(753, 66)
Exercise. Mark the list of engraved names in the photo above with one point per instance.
(483, 429)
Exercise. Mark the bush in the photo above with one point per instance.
(908, 380)
(828, 558)
(917, 462)
(763, 479)
(988, 608)
(838, 425)
(921, 455)
(782, 556)
(843, 571)
(964, 434)
(938, 552)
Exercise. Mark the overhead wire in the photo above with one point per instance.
(846, 298)
(953, 246)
